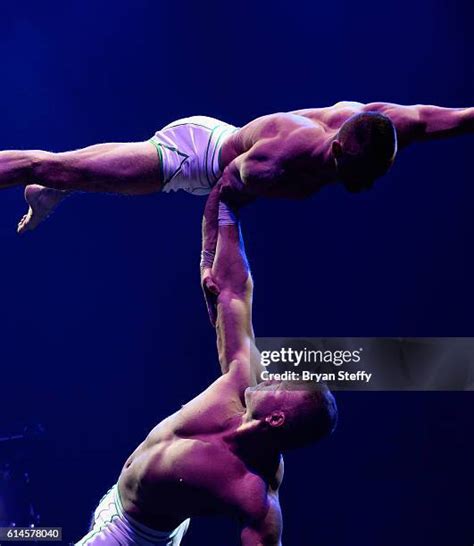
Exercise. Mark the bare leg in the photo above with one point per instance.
(130, 168)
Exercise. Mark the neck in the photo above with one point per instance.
(253, 442)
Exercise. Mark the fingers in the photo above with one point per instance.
(207, 281)
(211, 286)
(230, 189)
(235, 197)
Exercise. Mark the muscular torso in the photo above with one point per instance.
(309, 164)
(187, 467)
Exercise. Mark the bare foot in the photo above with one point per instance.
(42, 201)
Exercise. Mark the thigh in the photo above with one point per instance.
(131, 167)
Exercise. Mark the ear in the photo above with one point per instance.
(336, 148)
(276, 419)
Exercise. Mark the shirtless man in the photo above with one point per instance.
(279, 155)
(221, 453)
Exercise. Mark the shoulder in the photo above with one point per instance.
(275, 142)
(259, 490)
(254, 497)
(275, 125)
(332, 116)
(264, 526)
(286, 135)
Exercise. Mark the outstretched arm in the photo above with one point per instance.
(424, 122)
(232, 189)
(229, 287)
(210, 228)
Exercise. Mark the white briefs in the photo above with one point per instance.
(189, 151)
(113, 527)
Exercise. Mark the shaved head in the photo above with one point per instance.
(364, 149)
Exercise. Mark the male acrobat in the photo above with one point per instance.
(221, 453)
(289, 155)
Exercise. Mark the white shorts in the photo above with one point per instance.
(189, 151)
(113, 527)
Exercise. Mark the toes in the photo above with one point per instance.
(24, 223)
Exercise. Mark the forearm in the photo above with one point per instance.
(440, 122)
(422, 122)
(227, 188)
(210, 229)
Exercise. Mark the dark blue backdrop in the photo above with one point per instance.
(103, 331)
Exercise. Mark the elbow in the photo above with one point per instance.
(232, 297)
(238, 287)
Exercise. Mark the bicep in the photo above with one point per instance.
(406, 119)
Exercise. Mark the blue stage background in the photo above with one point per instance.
(103, 328)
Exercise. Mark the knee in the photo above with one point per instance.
(47, 167)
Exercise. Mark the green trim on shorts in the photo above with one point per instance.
(218, 150)
(157, 145)
(206, 157)
(227, 133)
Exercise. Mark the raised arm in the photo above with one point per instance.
(230, 181)
(230, 287)
(424, 122)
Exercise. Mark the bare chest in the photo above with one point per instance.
(186, 477)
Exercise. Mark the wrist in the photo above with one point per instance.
(227, 216)
(207, 259)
